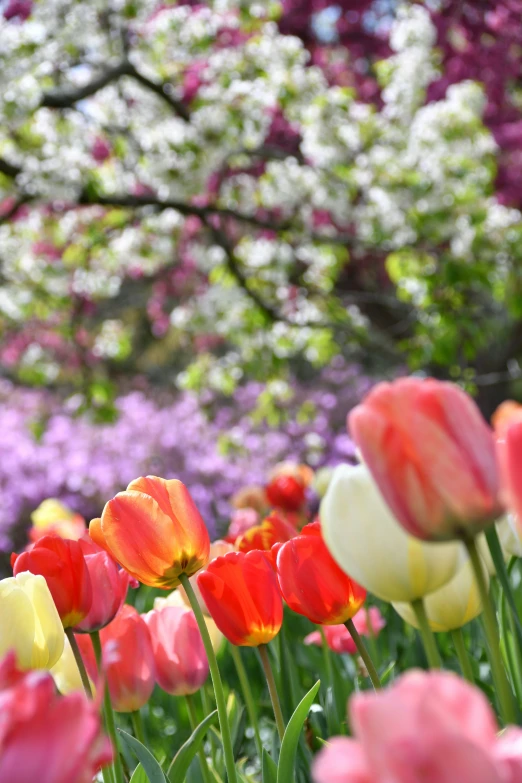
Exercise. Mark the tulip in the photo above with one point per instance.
(54, 518)
(367, 622)
(428, 726)
(154, 531)
(128, 660)
(242, 519)
(286, 492)
(322, 480)
(509, 535)
(508, 429)
(451, 606)
(46, 737)
(432, 456)
(29, 622)
(179, 654)
(370, 545)
(312, 583)
(272, 530)
(303, 473)
(217, 549)
(178, 598)
(62, 564)
(109, 587)
(253, 496)
(66, 673)
(242, 595)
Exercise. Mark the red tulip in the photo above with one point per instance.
(109, 587)
(432, 456)
(62, 564)
(312, 583)
(179, 654)
(45, 737)
(272, 530)
(242, 596)
(154, 531)
(286, 492)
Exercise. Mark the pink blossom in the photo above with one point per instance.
(242, 520)
(428, 727)
(338, 637)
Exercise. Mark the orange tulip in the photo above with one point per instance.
(272, 530)
(432, 456)
(154, 531)
(312, 583)
(242, 596)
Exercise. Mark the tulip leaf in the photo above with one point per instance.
(150, 765)
(285, 768)
(269, 768)
(139, 775)
(183, 758)
(497, 556)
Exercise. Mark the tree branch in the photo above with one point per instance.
(164, 91)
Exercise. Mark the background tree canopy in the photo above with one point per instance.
(208, 193)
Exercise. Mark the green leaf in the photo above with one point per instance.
(150, 765)
(181, 761)
(285, 769)
(497, 556)
(139, 775)
(269, 768)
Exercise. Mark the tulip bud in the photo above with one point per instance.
(63, 565)
(451, 606)
(109, 588)
(179, 653)
(432, 456)
(29, 622)
(154, 531)
(286, 492)
(369, 544)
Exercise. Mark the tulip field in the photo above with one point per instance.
(261, 391)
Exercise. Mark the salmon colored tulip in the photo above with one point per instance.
(154, 531)
(179, 654)
(178, 598)
(272, 530)
(286, 492)
(45, 737)
(109, 587)
(508, 429)
(62, 564)
(312, 583)
(428, 727)
(368, 622)
(432, 456)
(128, 659)
(241, 593)
(29, 622)
(54, 518)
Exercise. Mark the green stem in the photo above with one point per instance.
(269, 674)
(137, 726)
(108, 713)
(207, 709)
(327, 657)
(363, 652)
(505, 694)
(428, 639)
(216, 680)
(247, 695)
(462, 654)
(79, 661)
(193, 718)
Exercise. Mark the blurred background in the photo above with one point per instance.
(221, 221)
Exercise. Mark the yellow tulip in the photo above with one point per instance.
(29, 622)
(370, 546)
(54, 517)
(176, 599)
(453, 605)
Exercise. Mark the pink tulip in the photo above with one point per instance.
(507, 421)
(179, 654)
(109, 587)
(338, 637)
(45, 737)
(428, 727)
(432, 456)
(242, 520)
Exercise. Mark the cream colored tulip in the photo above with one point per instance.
(29, 622)
(508, 531)
(453, 605)
(370, 546)
(66, 673)
(176, 598)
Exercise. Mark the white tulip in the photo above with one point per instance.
(370, 545)
(453, 605)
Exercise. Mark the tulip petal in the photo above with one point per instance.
(49, 636)
(17, 622)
